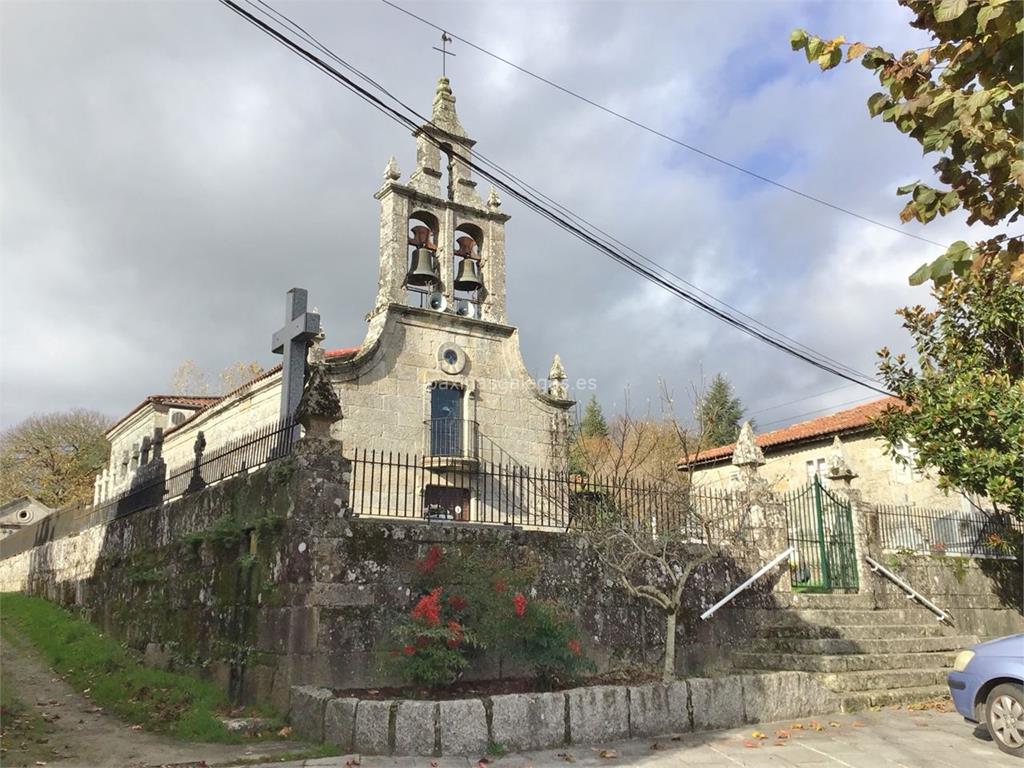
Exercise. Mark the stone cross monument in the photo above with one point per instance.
(300, 327)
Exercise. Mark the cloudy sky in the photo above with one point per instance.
(169, 172)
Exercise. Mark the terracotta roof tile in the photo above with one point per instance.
(853, 419)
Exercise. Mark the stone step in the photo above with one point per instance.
(911, 614)
(849, 662)
(855, 632)
(827, 601)
(883, 679)
(854, 702)
(829, 646)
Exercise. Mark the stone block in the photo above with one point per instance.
(528, 721)
(716, 702)
(658, 709)
(340, 723)
(463, 724)
(598, 713)
(373, 728)
(415, 728)
(306, 711)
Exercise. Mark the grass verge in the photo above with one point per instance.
(165, 702)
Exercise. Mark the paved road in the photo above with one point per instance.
(886, 739)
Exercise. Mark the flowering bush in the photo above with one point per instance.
(468, 608)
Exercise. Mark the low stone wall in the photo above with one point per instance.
(528, 721)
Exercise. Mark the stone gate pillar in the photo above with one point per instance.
(862, 515)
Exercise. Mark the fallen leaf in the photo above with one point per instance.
(285, 732)
(567, 757)
(677, 737)
(780, 743)
(656, 746)
(433, 764)
(817, 726)
(782, 734)
(758, 735)
(751, 744)
(833, 723)
(608, 754)
(857, 724)
(796, 727)
(136, 727)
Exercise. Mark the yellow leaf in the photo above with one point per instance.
(924, 56)
(855, 51)
(758, 735)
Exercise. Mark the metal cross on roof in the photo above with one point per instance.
(300, 327)
(444, 52)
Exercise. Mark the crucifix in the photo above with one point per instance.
(300, 327)
(444, 52)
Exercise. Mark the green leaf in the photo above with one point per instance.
(876, 103)
(921, 274)
(986, 14)
(814, 46)
(992, 159)
(906, 189)
(798, 39)
(959, 251)
(950, 9)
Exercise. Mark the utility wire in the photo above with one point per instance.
(798, 400)
(659, 134)
(312, 40)
(509, 187)
(817, 410)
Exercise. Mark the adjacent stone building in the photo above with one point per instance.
(794, 455)
(439, 374)
(20, 512)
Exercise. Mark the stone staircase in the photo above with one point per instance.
(868, 656)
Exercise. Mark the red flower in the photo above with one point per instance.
(520, 604)
(409, 650)
(457, 602)
(456, 639)
(428, 608)
(430, 562)
(500, 585)
(574, 647)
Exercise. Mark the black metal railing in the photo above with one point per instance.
(409, 486)
(450, 437)
(154, 484)
(976, 532)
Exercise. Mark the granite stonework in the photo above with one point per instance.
(340, 723)
(579, 716)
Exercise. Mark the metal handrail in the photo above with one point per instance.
(764, 569)
(912, 594)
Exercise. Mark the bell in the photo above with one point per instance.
(422, 237)
(468, 278)
(467, 247)
(423, 271)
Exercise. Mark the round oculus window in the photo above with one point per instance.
(451, 358)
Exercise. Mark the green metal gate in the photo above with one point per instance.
(821, 531)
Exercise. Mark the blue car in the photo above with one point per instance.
(987, 685)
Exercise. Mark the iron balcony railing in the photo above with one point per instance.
(975, 533)
(452, 438)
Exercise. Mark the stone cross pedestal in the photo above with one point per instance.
(292, 340)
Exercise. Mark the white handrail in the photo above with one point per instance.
(913, 594)
(778, 559)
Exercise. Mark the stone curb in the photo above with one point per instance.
(526, 721)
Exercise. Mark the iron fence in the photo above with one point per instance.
(466, 489)
(154, 484)
(975, 533)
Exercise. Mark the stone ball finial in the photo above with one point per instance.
(391, 171)
(493, 201)
(747, 453)
(556, 380)
(838, 467)
(319, 406)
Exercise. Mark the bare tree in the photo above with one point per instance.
(190, 379)
(652, 534)
(238, 374)
(53, 457)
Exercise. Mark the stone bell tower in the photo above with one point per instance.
(441, 246)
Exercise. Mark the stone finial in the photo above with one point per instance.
(556, 380)
(838, 467)
(493, 201)
(391, 172)
(747, 453)
(444, 116)
(319, 406)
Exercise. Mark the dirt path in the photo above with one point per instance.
(78, 733)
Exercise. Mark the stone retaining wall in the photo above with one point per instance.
(528, 721)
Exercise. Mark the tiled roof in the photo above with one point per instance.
(854, 419)
(194, 402)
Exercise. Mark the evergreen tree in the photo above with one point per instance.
(593, 423)
(720, 413)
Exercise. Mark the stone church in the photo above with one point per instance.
(440, 373)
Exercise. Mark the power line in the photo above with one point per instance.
(311, 39)
(579, 231)
(798, 400)
(659, 134)
(818, 410)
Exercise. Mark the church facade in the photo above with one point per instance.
(439, 374)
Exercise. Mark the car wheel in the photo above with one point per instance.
(1004, 716)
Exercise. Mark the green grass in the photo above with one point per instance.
(165, 702)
